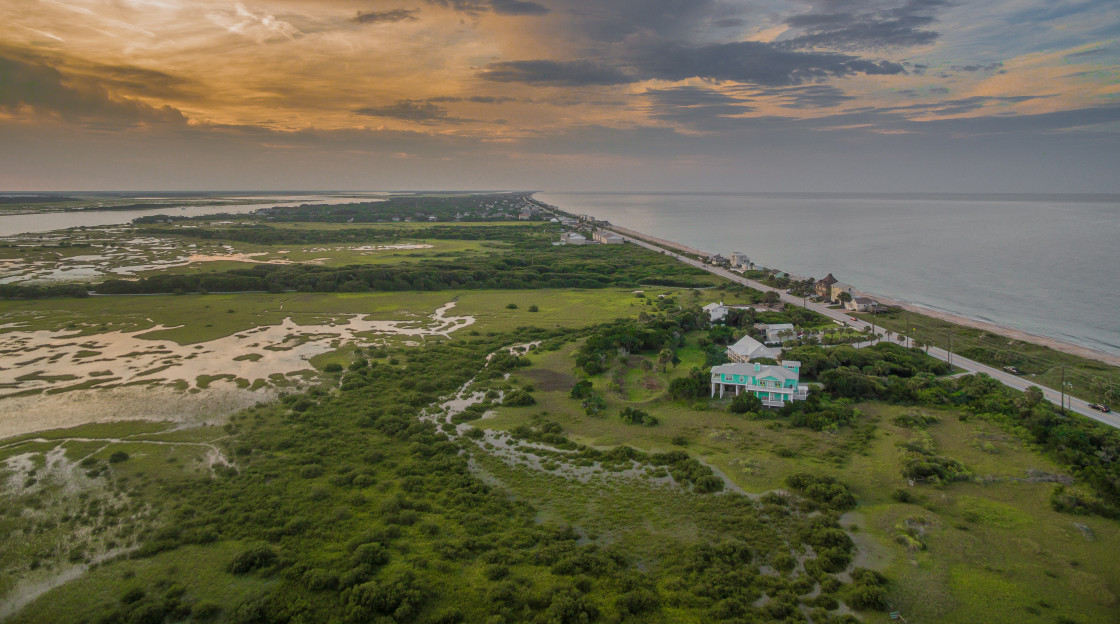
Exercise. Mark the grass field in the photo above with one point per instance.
(192, 319)
(987, 550)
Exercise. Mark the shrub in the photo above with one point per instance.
(632, 416)
(824, 490)
(518, 398)
(333, 367)
(745, 402)
(511, 306)
(251, 559)
(118, 457)
(581, 390)
(534, 308)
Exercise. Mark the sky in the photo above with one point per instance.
(561, 95)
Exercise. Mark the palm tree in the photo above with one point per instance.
(664, 357)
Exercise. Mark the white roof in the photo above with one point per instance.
(777, 326)
(791, 363)
(751, 349)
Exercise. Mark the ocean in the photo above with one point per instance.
(1045, 264)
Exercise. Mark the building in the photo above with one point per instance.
(861, 304)
(824, 286)
(773, 385)
(571, 238)
(740, 260)
(774, 331)
(748, 349)
(716, 311)
(607, 238)
(837, 288)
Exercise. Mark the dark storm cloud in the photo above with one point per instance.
(695, 107)
(501, 7)
(34, 84)
(1093, 52)
(862, 27)
(607, 21)
(384, 17)
(990, 67)
(808, 96)
(408, 110)
(476, 99)
(518, 7)
(556, 73)
(752, 62)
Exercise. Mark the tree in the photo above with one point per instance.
(845, 297)
(745, 402)
(664, 358)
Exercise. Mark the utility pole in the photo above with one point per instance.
(1063, 391)
(950, 347)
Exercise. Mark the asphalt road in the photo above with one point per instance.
(1012, 381)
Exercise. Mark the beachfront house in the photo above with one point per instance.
(748, 349)
(824, 286)
(716, 311)
(773, 385)
(774, 332)
(837, 288)
(740, 260)
(607, 238)
(861, 304)
(572, 238)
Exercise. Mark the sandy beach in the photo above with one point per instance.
(1002, 330)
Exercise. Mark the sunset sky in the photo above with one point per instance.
(763, 95)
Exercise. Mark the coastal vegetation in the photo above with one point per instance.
(532, 452)
(1087, 378)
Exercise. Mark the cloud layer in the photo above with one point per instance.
(671, 83)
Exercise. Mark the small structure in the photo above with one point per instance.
(716, 311)
(861, 304)
(824, 286)
(607, 238)
(740, 260)
(774, 330)
(748, 349)
(837, 288)
(717, 259)
(572, 238)
(773, 385)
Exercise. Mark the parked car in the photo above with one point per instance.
(1012, 370)
(1100, 408)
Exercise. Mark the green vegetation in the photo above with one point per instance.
(560, 459)
(1089, 379)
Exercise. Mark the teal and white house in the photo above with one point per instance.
(774, 385)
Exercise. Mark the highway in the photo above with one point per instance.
(1012, 381)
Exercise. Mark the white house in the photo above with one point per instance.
(607, 238)
(861, 304)
(774, 330)
(716, 312)
(748, 349)
(571, 238)
(774, 385)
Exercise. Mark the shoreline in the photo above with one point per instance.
(949, 317)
